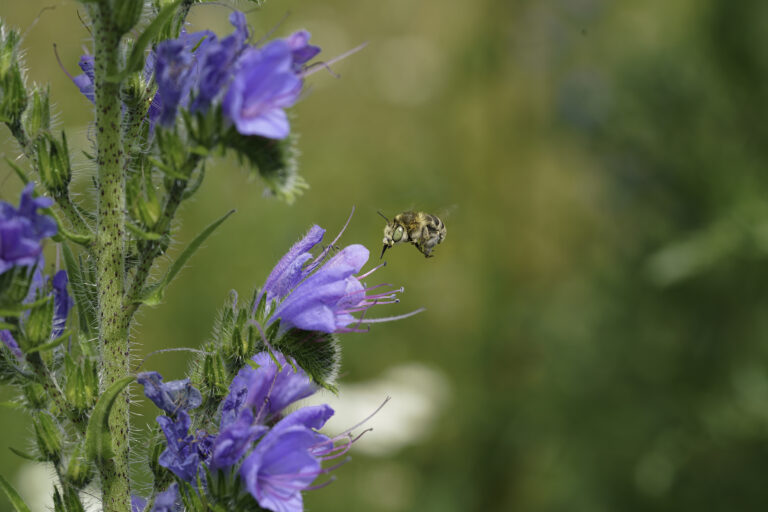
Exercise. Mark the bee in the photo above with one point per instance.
(421, 229)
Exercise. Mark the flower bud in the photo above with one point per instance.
(35, 395)
(127, 13)
(38, 325)
(79, 471)
(48, 438)
(13, 96)
(14, 284)
(37, 118)
(215, 374)
(53, 163)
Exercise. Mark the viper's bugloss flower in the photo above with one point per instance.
(168, 500)
(9, 341)
(287, 460)
(264, 84)
(216, 63)
(301, 51)
(256, 397)
(185, 452)
(172, 396)
(85, 82)
(62, 302)
(22, 229)
(176, 71)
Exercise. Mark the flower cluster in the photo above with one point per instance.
(275, 456)
(22, 229)
(254, 84)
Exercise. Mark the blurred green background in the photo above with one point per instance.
(596, 333)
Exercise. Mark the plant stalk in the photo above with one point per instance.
(110, 253)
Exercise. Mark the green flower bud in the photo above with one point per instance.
(14, 285)
(81, 387)
(127, 13)
(215, 375)
(53, 163)
(38, 325)
(79, 471)
(35, 395)
(13, 96)
(48, 437)
(37, 118)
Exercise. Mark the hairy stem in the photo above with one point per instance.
(110, 253)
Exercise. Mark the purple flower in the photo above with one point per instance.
(288, 272)
(85, 82)
(184, 452)
(256, 397)
(175, 72)
(22, 229)
(287, 460)
(62, 302)
(216, 63)
(138, 504)
(235, 439)
(266, 390)
(168, 500)
(172, 396)
(301, 50)
(263, 85)
(7, 338)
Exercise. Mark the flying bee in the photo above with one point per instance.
(421, 229)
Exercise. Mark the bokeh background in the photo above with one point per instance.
(596, 333)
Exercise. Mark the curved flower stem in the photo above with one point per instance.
(110, 252)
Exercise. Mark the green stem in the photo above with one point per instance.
(149, 250)
(110, 253)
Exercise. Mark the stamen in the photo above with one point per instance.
(374, 269)
(61, 65)
(309, 268)
(326, 65)
(320, 486)
(349, 430)
(392, 318)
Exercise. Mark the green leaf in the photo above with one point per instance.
(98, 442)
(136, 58)
(51, 344)
(6, 325)
(140, 233)
(18, 309)
(153, 295)
(13, 496)
(79, 288)
(25, 455)
(19, 172)
(84, 240)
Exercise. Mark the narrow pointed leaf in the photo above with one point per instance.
(98, 442)
(24, 455)
(140, 233)
(78, 287)
(51, 344)
(136, 58)
(18, 170)
(63, 233)
(153, 295)
(13, 496)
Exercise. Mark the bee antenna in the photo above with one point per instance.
(385, 218)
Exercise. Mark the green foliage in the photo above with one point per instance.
(98, 441)
(275, 161)
(13, 496)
